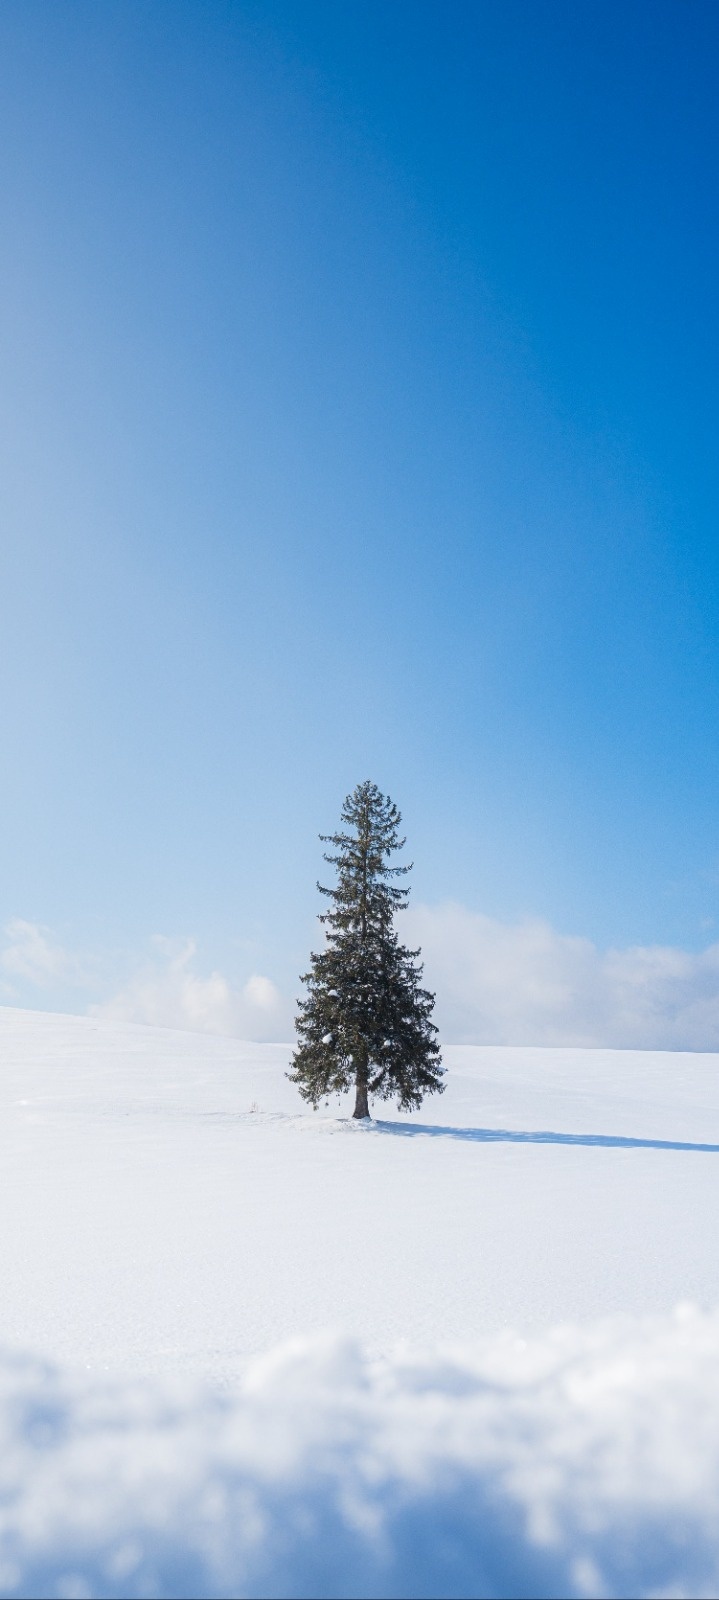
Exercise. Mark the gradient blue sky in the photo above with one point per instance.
(358, 391)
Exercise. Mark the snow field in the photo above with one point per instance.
(251, 1350)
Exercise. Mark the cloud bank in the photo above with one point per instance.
(496, 983)
(168, 992)
(524, 983)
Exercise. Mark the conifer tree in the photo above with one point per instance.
(366, 1021)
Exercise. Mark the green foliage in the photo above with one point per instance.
(366, 1019)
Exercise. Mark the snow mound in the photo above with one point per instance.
(583, 1462)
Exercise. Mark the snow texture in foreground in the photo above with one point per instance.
(580, 1463)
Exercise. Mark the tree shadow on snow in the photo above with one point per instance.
(609, 1141)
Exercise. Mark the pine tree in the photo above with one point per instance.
(366, 1021)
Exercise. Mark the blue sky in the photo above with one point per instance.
(359, 410)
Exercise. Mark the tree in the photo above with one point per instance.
(366, 1021)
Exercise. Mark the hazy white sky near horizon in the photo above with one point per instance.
(495, 983)
(358, 403)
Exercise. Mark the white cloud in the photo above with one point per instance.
(524, 983)
(496, 983)
(168, 992)
(33, 955)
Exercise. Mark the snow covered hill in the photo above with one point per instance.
(171, 1213)
(171, 1206)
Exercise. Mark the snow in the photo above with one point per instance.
(267, 1351)
(577, 1464)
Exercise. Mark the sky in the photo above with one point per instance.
(358, 415)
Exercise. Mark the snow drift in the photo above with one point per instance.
(583, 1462)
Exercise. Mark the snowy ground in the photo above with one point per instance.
(171, 1212)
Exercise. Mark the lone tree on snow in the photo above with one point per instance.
(365, 1020)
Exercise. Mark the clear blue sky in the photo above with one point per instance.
(358, 387)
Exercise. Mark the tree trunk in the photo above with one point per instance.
(361, 1102)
